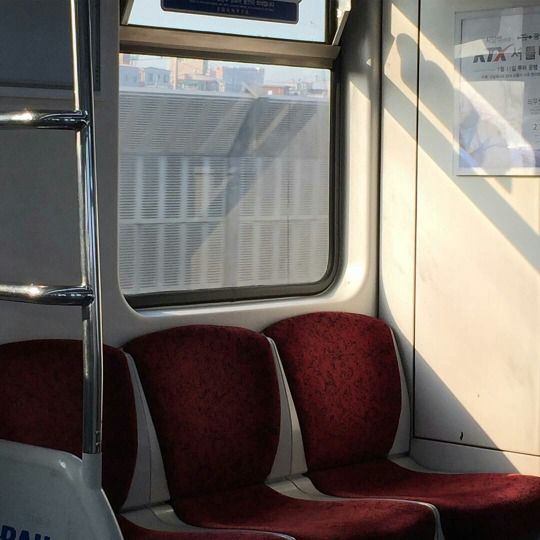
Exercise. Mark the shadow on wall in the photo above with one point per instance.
(437, 142)
(470, 429)
(439, 146)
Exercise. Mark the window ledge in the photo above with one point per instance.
(145, 40)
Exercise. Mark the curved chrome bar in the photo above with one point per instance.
(57, 295)
(68, 120)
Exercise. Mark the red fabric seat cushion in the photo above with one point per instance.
(345, 383)
(472, 506)
(41, 389)
(261, 508)
(134, 532)
(214, 398)
(344, 378)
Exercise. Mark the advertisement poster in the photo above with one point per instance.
(498, 92)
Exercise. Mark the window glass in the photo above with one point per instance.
(310, 27)
(224, 174)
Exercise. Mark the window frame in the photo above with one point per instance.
(210, 46)
(332, 6)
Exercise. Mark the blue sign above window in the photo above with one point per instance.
(264, 10)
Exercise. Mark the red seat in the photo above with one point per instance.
(344, 379)
(51, 417)
(41, 389)
(214, 398)
(134, 532)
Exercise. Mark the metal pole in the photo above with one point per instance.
(86, 163)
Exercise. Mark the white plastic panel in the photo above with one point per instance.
(402, 441)
(44, 493)
(291, 445)
(149, 484)
(140, 491)
(282, 461)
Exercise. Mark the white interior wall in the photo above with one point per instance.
(398, 176)
(466, 293)
(39, 218)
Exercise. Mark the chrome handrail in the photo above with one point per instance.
(83, 83)
(88, 294)
(53, 295)
(73, 120)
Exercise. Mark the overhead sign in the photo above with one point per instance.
(285, 11)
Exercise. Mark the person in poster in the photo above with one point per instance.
(498, 98)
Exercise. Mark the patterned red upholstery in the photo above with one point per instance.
(214, 398)
(472, 506)
(260, 507)
(345, 382)
(41, 389)
(134, 532)
(330, 356)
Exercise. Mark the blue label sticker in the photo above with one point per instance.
(10, 533)
(264, 10)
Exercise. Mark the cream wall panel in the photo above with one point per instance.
(477, 275)
(458, 458)
(398, 173)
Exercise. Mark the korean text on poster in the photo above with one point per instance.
(498, 95)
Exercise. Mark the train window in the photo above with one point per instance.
(311, 25)
(224, 180)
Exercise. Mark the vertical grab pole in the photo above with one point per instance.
(83, 82)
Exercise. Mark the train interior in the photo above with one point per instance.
(306, 241)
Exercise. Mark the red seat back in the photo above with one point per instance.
(41, 389)
(345, 383)
(214, 398)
